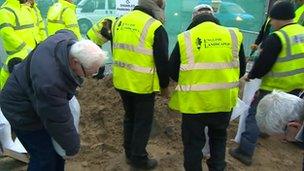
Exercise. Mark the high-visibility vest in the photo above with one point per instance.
(94, 32)
(287, 73)
(62, 15)
(134, 68)
(209, 70)
(299, 18)
(40, 29)
(17, 32)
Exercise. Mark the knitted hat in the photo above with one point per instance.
(283, 10)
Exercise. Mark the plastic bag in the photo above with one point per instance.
(243, 106)
(6, 136)
(75, 110)
(276, 110)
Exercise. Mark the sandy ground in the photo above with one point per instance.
(101, 136)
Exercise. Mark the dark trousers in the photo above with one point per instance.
(193, 136)
(43, 156)
(139, 109)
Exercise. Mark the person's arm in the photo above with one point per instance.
(260, 36)
(160, 54)
(267, 58)
(70, 19)
(242, 60)
(54, 111)
(11, 40)
(174, 63)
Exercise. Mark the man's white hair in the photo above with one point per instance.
(202, 8)
(88, 53)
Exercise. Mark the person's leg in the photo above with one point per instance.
(40, 148)
(193, 137)
(144, 109)
(128, 123)
(217, 124)
(250, 136)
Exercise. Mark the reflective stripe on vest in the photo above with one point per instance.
(140, 47)
(137, 49)
(18, 26)
(60, 21)
(209, 65)
(287, 58)
(206, 87)
(136, 68)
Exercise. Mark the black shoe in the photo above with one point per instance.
(146, 164)
(235, 153)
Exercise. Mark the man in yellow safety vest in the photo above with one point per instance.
(62, 15)
(207, 62)
(140, 56)
(280, 66)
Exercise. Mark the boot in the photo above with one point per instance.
(145, 163)
(237, 154)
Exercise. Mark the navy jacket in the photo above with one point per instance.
(38, 91)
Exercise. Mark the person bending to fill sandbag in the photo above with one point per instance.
(35, 99)
(278, 112)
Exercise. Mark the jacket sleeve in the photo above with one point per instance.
(174, 63)
(53, 108)
(160, 54)
(267, 58)
(11, 40)
(70, 19)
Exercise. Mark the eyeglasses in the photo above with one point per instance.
(83, 70)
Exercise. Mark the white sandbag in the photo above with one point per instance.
(249, 90)
(206, 149)
(5, 133)
(239, 109)
(75, 110)
(276, 110)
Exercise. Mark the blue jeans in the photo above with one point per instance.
(250, 136)
(43, 156)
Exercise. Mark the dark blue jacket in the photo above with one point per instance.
(38, 91)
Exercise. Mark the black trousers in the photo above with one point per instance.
(193, 136)
(139, 109)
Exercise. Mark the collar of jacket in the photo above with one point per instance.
(62, 54)
(67, 4)
(14, 3)
(145, 10)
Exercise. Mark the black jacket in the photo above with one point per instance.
(174, 62)
(38, 91)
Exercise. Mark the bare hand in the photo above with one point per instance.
(254, 47)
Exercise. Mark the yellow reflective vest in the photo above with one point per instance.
(299, 18)
(40, 29)
(209, 70)
(62, 15)
(134, 68)
(17, 32)
(287, 73)
(94, 33)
